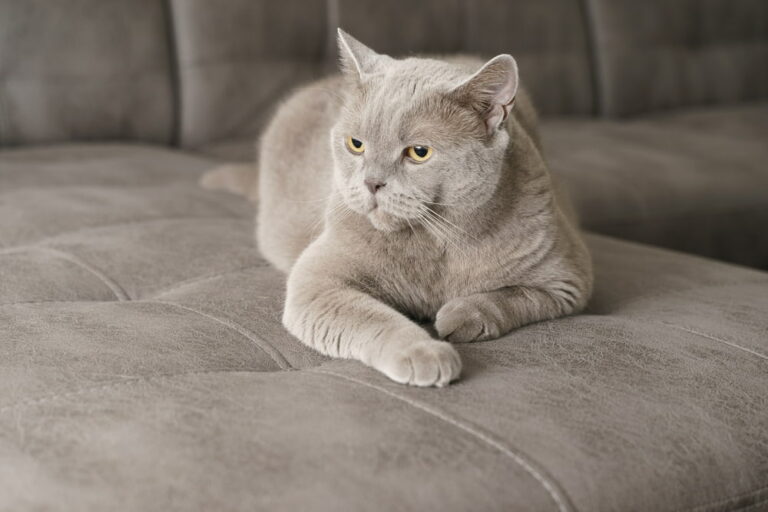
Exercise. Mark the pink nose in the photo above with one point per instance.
(374, 185)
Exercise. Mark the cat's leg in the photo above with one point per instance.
(341, 321)
(484, 316)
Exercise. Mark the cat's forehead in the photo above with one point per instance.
(416, 76)
(407, 100)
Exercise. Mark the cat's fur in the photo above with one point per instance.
(475, 239)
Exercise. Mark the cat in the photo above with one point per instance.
(410, 190)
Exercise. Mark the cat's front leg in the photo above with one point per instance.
(485, 316)
(333, 317)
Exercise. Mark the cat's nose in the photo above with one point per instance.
(373, 185)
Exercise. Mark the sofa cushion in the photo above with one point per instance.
(658, 54)
(143, 366)
(690, 180)
(84, 70)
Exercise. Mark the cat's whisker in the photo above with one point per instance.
(451, 234)
(330, 213)
(440, 232)
(457, 228)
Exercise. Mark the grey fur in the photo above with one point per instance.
(475, 239)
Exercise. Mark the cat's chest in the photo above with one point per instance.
(420, 285)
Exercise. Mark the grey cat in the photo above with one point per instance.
(403, 191)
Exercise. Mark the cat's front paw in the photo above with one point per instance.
(423, 363)
(462, 320)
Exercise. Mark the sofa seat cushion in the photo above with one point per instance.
(143, 367)
(695, 180)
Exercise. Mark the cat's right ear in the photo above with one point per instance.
(491, 91)
(357, 60)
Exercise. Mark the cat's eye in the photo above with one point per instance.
(419, 153)
(356, 146)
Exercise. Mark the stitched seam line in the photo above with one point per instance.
(554, 490)
(111, 385)
(714, 338)
(116, 289)
(725, 501)
(73, 301)
(118, 224)
(4, 123)
(264, 345)
(173, 63)
(751, 507)
(197, 280)
(594, 57)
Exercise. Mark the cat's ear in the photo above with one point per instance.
(357, 60)
(491, 91)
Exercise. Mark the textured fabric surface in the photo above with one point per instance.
(658, 54)
(144, 367)
(236, 62)
(695, 181)
(84, 70)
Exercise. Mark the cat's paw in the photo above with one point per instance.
(460, 320)
(423, 363)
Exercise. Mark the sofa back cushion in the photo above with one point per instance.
(656, 54)
(237, 59)
(547, 38)
(84, 69)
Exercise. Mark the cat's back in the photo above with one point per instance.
(295, 170)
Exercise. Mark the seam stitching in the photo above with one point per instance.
(117, 290)
(110, 385)
(46, 239)
(73, 301)
(714, 338)
(593, 57)
(202, 279)
(725, 501)
(554, 490)
(174, 75)
(261, 343)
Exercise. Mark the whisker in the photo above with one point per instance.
(460, 230)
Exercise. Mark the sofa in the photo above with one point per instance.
(143, 364)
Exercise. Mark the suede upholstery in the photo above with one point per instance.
(143, 364)
(84, 70)
(658, 54)
(694, 180)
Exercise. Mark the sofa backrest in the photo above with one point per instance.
(84, 69)
(657, 54)
(193, 72)
(236, 62)
(237, 58)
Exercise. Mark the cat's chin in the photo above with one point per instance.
(385, 222)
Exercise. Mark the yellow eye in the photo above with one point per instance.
(419, 153)
(355, 146)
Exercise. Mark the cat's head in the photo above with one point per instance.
(419, 135)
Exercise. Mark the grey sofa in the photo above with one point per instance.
(143, 365)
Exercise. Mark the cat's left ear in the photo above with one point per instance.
(491, 91)
(357, 60)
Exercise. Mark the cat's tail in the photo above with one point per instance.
(239, 178)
